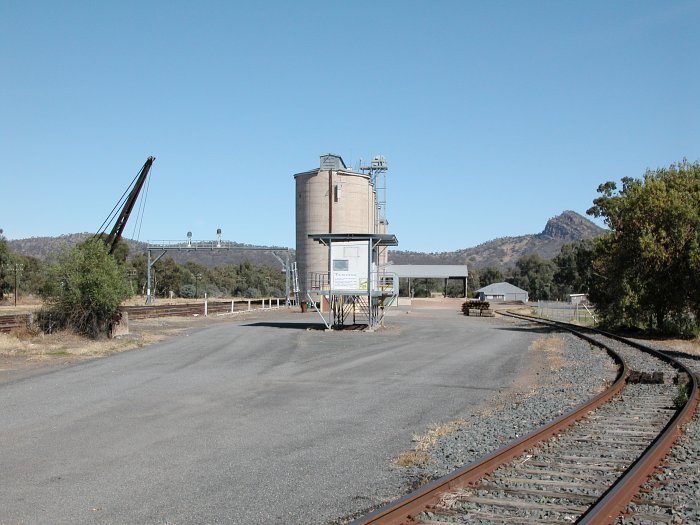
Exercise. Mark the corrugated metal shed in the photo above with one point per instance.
(503, 291)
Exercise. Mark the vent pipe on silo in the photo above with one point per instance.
(330, 201)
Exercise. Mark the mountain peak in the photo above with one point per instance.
(502, 253)
(570, 226)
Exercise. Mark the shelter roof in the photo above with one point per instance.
(378, 239)
(501, 288)
(428, 271)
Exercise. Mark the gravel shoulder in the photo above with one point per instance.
(564, 372)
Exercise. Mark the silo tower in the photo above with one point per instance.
(334, 199)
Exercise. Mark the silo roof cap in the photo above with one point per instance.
(330, 161)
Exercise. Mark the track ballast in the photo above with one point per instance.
(583, 468)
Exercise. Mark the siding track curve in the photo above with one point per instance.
(583, 467)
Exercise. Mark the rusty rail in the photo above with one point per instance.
(609, 506)
(404, 509)
(12, 322)
(615, 500)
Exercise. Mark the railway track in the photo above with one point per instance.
(672, 494)
(586, 466)
(12, 322)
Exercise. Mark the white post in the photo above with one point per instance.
(249, 305)
(278, 302)
(231, 305)
(206, 305)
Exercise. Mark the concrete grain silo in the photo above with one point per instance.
(331, 199)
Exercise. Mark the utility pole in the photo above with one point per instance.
(132, 273)
(18, 268)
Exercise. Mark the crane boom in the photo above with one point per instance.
(116, 233)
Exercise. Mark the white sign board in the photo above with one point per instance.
(345, 281)
(349, 265)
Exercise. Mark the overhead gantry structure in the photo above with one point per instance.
(162, 247)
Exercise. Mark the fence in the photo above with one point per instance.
(206, 308)
(566, 312)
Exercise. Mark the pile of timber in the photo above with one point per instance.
(476, 308)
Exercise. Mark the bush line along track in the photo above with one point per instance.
(585, 467)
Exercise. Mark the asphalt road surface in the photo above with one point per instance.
(254, 422)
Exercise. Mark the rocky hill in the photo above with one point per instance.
(502, 253)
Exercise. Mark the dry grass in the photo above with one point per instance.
(411, 458)
(63, 344)
(690, 347)
(419, 455)
(25, 305)
(451, 499)
(552, 348)
(38, 346)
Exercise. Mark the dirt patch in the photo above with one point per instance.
(552, 348)
(449, 303)
(690, 347)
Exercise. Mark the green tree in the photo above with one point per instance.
(168, 277)
(534, 274)
(473, 281)
(490, 275)
(4, 264)
(30, 276)
(137, 268)
(647, 269)
(188, 291)
(84, 289)
(226, 278)
(574, 270)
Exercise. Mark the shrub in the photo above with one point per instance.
(681, 397)
(252, 293)
(187, 291)
(84, 289)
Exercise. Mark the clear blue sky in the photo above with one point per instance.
(494, 116)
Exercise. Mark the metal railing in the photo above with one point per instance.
(384, 282)
(580, 313)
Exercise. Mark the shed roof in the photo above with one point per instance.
(501, 289)
(378, 239)
(428, 271)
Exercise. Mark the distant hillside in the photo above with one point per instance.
(502, 253)
(44, 247)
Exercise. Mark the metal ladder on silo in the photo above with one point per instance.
(295, 283)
